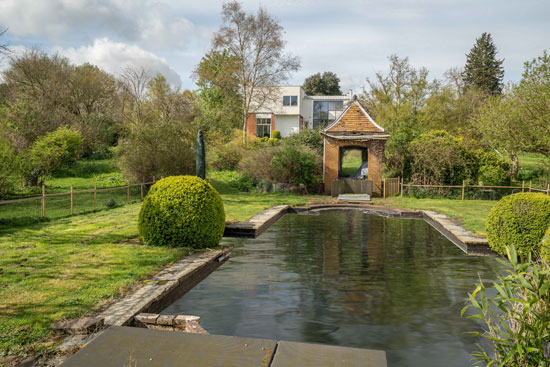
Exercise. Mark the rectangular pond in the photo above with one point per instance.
(348, 279)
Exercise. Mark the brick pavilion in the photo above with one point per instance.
(354, 129)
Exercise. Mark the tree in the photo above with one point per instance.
(396, 101)
(256, 41)
(4, 50)
(219, 103)
(327, 84)
(483, 70)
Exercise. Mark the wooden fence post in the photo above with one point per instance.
(128, 192)
(401, 180)
(523, 186)
(142, 183)
(153, 179)
(384, 188)
(530, 184)
(548, 190)
(463, 187)
(72, 200)
(43, 201)
(95, 195)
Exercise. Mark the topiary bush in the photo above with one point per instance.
(276, 134)
(182, 211)
(518, 220)
(545, 246)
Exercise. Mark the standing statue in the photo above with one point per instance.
(201, 157)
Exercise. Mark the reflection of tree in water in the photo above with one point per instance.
(364, 269)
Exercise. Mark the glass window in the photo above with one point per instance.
(263, 127)
(325, 112)
(290, 101)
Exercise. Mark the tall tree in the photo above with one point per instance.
(483, 70)
(219, 104)
(327, 84)
(256, 41)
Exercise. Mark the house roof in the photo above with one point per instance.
(355, 121)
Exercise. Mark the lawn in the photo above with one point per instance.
(471, 213)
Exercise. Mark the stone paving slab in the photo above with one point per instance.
(121, 346)
(291, 354)
(257, 224)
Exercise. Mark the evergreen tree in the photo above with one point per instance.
(483, 71)
(327, 84)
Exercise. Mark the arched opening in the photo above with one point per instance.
(353, 162)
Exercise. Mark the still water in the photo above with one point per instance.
(348, 279)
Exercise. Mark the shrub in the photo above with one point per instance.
(256, 164)
(9, 166)
(295, 165)
(440, 159)
(515, 314)
(490, 175)
(182, 211)
(162, 149)
(519, 220)
(545, 246)
(55, 150)
(276, 134)
(307, 137)
(226, 156)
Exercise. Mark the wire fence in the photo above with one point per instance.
(461, 192)
(58, 205)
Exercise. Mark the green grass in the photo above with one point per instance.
(66, 268)
(351, 162)
(471, 213)
(534, 167)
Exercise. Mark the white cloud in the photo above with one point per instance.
(114, 57)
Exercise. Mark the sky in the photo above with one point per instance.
(352, 38)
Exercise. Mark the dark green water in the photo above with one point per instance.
(346, 279)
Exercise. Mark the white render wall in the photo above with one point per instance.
(287, 124)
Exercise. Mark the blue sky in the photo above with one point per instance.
(352, 38)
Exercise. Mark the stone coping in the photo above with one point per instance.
(448, 227)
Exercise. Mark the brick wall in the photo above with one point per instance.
(251, 125)
(375, 156)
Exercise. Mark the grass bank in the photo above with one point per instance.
(471, 213)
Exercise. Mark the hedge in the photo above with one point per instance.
(182, 211)
(520, 220)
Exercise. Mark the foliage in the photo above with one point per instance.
(51, 152)
(516, 315)
(155, 150)
(296, 165)
(218, 104)
(307, 137)
(276, 134)
(438, 158)
(483, 71)
(518, 220)
(256, 42)
(227, 155)
(395, 100)
(490, 175)
(9, 168)
(545, 246)
(327, 84)
(182, 211)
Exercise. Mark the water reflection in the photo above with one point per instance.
(346, 279)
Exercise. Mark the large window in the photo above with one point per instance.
(325, 112)
(290, 101)
(263, 127)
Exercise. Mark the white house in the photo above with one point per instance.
(289, 109)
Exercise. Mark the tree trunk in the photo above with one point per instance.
(245, 123)
(515, 166)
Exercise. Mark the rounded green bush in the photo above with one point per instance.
(182, 211)
(490, 175)
(276, 134)
(520, 220)
(545, 246)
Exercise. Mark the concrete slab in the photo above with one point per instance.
(291, 354)
(126, 346)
